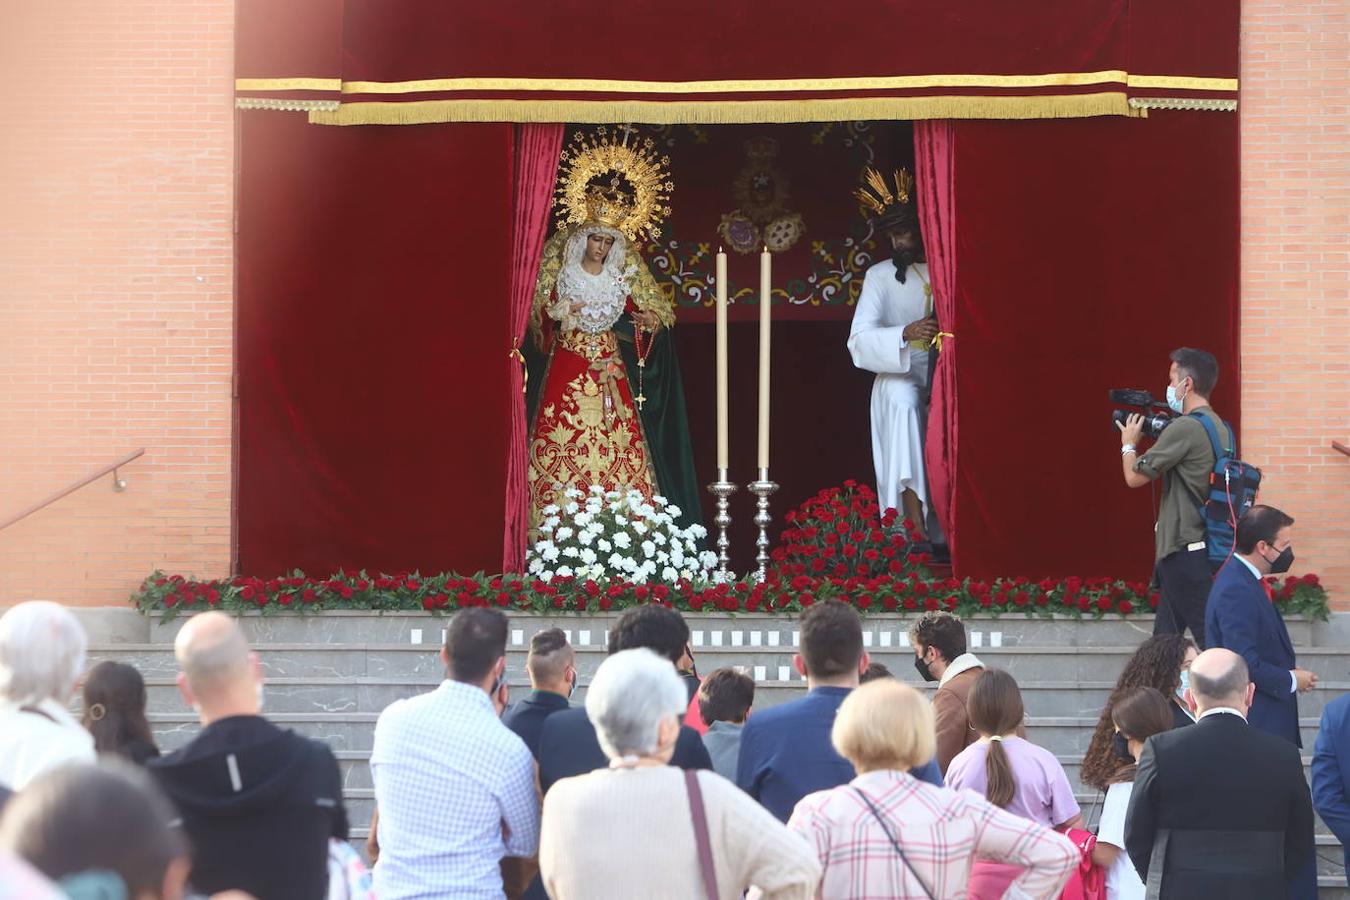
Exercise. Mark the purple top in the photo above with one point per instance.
(1042, 792)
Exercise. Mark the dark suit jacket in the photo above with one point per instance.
(1233, 804)
(786, 752)
(526, 717)
(568, 746)
(1331, 772)
(1241, 618)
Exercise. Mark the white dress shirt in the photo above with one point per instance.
(455, 789)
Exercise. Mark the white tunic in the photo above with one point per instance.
(884, 308)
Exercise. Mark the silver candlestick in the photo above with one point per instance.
(762, 488)
(722, 489)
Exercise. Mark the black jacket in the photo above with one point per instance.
(526, 717)
(1232, 805)
(568, 746)
(259, 805)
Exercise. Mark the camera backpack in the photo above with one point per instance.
(1232, 490)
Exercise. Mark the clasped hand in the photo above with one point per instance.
(921, 330)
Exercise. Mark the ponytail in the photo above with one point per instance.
(1000, 785)
(995, 709)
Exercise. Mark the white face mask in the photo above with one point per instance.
(1174, 400)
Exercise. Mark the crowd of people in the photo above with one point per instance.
(665, 784)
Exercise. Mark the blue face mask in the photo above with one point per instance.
(1173, 401)
(1185, 683)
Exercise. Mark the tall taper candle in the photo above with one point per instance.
(722, 452)
(765, 310)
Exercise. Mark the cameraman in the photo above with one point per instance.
(1184, 459)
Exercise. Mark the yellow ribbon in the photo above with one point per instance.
(519, 357)
(936, 342)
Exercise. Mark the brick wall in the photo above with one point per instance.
(1296, 271)
(116, 284)
(116, 161)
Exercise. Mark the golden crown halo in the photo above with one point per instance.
(616, 180)
(880, 197)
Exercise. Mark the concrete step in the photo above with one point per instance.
(342, 626)
(1061, 735)
(373, 694)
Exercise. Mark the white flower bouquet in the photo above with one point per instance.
(613, 534)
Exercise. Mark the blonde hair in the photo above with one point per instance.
(885, 724)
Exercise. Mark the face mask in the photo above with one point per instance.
(1173, 400)
(1185, 683)
(922, 668)
(1121, 746)
(1282, 562)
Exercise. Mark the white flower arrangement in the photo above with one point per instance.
(618, 534)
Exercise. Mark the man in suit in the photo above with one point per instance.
(1220, 809)
(1241, 618)
(786, 751)
(567, 742)
(552, 668)
(1331, 772)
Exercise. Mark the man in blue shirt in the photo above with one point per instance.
(785, 750)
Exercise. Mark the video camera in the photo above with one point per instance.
(1157, 416)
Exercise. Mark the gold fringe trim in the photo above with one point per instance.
(1183, 82)
(282, 103)
(734, 86)
(288, 84)
(717, 112)
(1204, 103)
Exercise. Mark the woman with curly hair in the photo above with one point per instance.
(1162, 663)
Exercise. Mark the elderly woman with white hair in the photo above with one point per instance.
(42, 649)
(642, 828)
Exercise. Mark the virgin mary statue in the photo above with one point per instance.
(605, 396)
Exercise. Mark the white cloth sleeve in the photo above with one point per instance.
(1293, 682)
(875, 346)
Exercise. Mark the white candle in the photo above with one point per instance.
(765, 311)
(722, 452)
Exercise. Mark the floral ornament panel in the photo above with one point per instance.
(789, 187)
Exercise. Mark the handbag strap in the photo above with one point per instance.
(876, 813)
(697, 813)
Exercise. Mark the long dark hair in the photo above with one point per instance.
(1156, 664)
(995, 709)
(114, 708)
(1140, 713)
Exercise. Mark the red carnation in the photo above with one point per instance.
(285, 599)
(606, 603)
(429, 603)
(1020, 598)
(558, 602)
(1125, 607)
(931, 604)
(911, 603)
(309, 596)
(1104, 604)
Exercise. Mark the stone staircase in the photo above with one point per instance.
(330, 676)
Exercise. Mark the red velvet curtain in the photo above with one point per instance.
(934, 157)
(536, 172)
(373, 268)
(1088, 250)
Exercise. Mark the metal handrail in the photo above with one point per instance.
(1337, 445)
(112, 467)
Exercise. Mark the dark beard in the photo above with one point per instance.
(904, 257)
